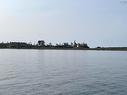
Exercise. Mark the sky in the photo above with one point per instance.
(96, 22)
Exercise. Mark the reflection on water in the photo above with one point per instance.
(63, 72)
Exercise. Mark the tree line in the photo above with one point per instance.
(41, 44)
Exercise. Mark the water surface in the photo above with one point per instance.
(63, 72)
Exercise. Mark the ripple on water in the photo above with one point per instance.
(36, 72)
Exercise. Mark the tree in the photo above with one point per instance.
(41, 43)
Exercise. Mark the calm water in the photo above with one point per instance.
(60, 72)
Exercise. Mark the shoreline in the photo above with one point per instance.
(91, 49)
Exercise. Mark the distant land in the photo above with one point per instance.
(60, 46)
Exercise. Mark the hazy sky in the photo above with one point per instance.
(97, 22)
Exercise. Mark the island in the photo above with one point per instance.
(59, 46)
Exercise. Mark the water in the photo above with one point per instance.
(63, 72)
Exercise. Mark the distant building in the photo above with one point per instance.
(41, 43)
